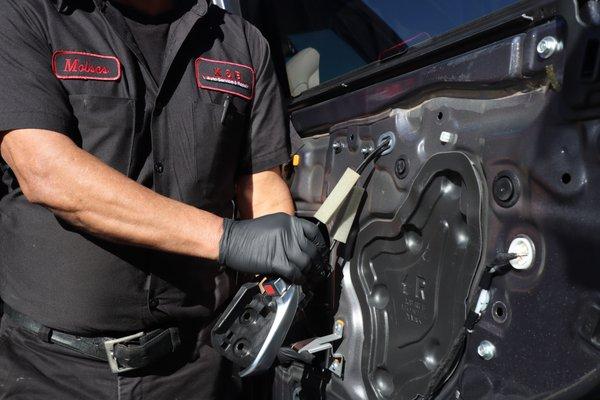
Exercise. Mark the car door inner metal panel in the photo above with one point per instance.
(414, 273)
(490, 146)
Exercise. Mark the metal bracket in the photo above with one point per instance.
(324, 342)
(335, 361)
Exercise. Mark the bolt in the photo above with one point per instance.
(401, 168)
(486, 350)
(547, 47)
(337, 146)
(338, 327)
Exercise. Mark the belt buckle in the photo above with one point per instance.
(109, 346)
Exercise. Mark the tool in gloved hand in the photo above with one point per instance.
(276, 244)
(253, 327)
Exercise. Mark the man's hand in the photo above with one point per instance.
(276, 244)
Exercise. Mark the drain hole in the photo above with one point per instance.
(566, 178)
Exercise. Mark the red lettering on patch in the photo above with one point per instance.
(225, 76)
(81, 65)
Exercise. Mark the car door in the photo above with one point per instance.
(470, 270)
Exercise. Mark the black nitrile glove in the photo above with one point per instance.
(276, 244)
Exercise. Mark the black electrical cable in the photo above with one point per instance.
(373, 155)
(499, 265)
(286, 355)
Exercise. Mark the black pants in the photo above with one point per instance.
(31, 369)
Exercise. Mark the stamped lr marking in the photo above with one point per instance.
(413, 305)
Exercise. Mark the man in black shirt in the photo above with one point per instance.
(129, 129)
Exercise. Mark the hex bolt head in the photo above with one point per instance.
(547, 47)
(486, 350)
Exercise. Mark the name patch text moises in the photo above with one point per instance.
(68, 64)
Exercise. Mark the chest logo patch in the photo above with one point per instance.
(87, 66)
(226, 77)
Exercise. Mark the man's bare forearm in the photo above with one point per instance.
(53, 172)
(263, 193)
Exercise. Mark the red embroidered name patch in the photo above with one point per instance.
(80, 65)
(226, 77)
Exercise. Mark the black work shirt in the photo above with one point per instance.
(74, 68)
(150, 35)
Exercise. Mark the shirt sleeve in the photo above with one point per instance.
(267, 145)
(30, 95)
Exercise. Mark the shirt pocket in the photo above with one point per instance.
(206, 150)
(105, 128)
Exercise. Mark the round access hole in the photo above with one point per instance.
(499, 312)
(248, 316)
(565, 178)
(241, 348)
(440, 116)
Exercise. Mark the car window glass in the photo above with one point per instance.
(322, 40)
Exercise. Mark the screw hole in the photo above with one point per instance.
(440, 115)
(566, 178)
(499, 312)
(240, 346)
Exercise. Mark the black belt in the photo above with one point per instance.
(122, 354)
